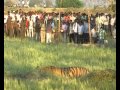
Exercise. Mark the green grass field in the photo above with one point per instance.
(22, 57)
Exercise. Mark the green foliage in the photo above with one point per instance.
(112, 7)
(22, 57)
(34, 2)
(49, 3)
(69, 3)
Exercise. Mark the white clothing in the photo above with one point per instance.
(48, 37)
(31, 28)
(102, 18)
(112, 21)
(93, 32)
(18, 17)
(31, 24)
(13, 16)
(31, 33)
(75, 27)
(5, 18)
(33, 18)
(72, 18)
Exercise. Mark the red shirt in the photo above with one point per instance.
(27, 23)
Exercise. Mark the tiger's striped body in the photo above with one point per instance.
(67, 71)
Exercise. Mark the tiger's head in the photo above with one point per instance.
(48, 68)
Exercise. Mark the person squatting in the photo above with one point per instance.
(74, 27)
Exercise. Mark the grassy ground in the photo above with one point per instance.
(24, 56)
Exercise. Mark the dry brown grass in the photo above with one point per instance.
(83, 10)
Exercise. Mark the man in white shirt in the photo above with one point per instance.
(75, 31)
(94, 35)
(80, 32)
(64, 31)
(72, 17)
(13, 16)
(18, 16)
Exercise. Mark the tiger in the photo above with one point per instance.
(66, 71)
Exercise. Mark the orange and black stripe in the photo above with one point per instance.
(68, 71)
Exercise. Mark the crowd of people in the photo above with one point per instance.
(74, 27)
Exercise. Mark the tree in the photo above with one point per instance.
(112, 5)
(69, 3)
(111, 1)
(41, 3)
(8, 3)
(49, 3)
(34, 2)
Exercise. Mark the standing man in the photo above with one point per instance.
(75, 25)
(27, 27)
(37, 29)
(80, 32)
(106, 22)
(31, 24)
(86, 32)
(49, 31)
(94, 35)
(9, 26)
(64, 31)
(102, 34)
(15, 27)
(22, 25)
(71, 32)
